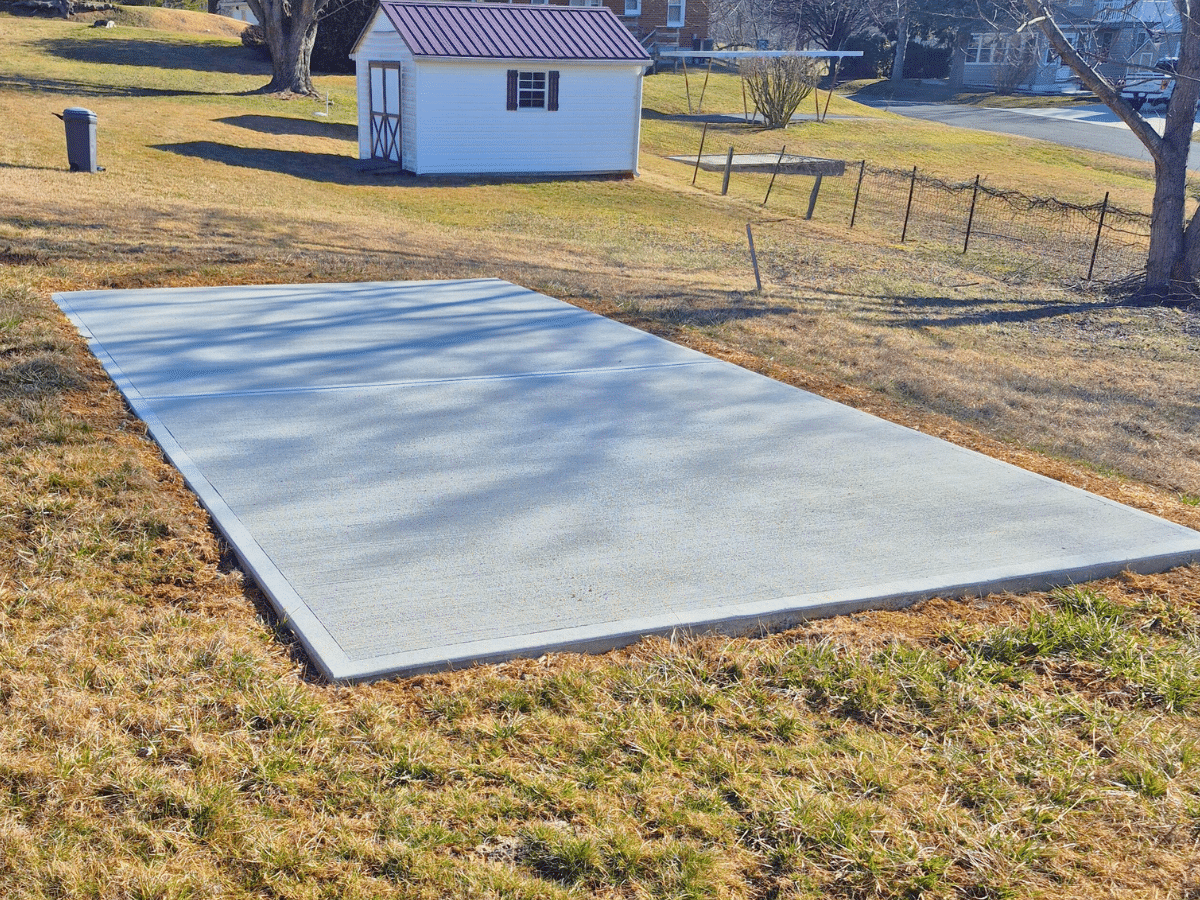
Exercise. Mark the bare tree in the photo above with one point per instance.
(743, 23)
(1173, 263)
(826, 23)
(778, 85)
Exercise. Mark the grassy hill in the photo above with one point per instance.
(159, 737)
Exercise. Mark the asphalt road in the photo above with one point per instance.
(1088, 127)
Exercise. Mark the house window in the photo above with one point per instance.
(981, 49)
(533, 90)
(675, 12)
(586, 2)
(633, 7)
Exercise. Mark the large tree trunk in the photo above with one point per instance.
(290, 29)
(1173, 261)
(291, 71)
(901, 48)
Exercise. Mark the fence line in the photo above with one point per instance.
(1025, 233)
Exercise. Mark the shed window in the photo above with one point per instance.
(532, 90)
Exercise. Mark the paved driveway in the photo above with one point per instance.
(431, 474)
(1093, 127)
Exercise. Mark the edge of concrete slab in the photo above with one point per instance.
(738, 620)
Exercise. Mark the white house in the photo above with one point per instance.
(237, 9)
(480, 88)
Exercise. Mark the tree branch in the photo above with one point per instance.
(1093, 80)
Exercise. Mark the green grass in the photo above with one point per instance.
(160, 736)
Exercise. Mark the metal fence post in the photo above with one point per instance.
(971, 215)
(912, 186)
(862, 168)
(1099, 228)
(778, 163)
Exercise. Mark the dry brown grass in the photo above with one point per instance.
(159, 739)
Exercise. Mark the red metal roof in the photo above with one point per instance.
(501, 31)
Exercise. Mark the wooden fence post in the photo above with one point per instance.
(912, 186)
(753, 256)
(971, 215)
(812, 198)
(862, 169)
(1096, 244)
(728, 167)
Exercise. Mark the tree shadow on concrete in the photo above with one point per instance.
(154, 53)
(289, 125)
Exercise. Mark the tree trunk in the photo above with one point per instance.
(291, 71)
(290, 30)
(958, 60)
(1173, 261)
(901, 48)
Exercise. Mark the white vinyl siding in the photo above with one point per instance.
(595, 130)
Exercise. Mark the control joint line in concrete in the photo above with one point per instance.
(422, 382)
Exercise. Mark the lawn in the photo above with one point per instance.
(160, 736)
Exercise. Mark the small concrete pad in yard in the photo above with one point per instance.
(788, 163)
(426, 474)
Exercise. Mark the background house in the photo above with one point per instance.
(1124, 39)
(484, 88)
(236, 9)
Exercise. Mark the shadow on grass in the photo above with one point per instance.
(334, 168)
(153, 53)
(950, 312)
(289, 125)
(85, 89)
(331, 168)
(64, 167)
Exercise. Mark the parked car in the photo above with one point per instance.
(1154, 87)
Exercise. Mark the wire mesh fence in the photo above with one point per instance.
(1056, 237)
(1020, 233)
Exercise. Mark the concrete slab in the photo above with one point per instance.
(790, 164)
(432, 474)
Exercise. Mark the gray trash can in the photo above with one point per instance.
(81, 139)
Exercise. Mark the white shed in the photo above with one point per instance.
(480, 88)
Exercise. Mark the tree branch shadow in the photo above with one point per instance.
(86, 89)
(228, 59)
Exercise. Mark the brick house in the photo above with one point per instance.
(657, 24)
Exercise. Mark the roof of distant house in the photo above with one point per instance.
(500, 31)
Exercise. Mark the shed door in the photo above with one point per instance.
(385, 110)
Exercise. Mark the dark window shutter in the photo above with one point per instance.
(512, 88)
(552, 92)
